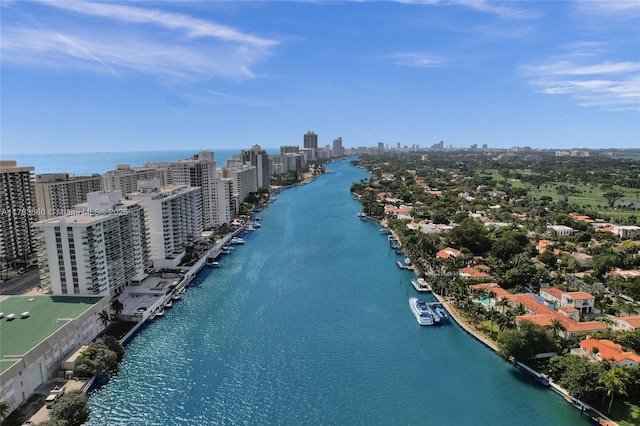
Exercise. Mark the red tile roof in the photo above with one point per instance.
(543, 315)
(609, 351)
(447, 252)
(633, 321)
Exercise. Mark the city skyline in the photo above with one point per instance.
(85, 76)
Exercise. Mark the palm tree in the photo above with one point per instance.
(557, 327)
(116, 307)
(503, 304)
(628, 308)
(104, 318)
(613, 382)
(4, 409)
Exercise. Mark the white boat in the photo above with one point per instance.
(421, 311)
(160, 313)
(176, 297)
(407, 261)
(385, 231)
(237, 240)
(441, 312)
(169, 304)
(421, 285)
(214, 264)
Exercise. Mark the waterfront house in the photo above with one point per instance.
(448, 252)
(629, 323)
(606, 350)
(581, 300)
(473, 272)
(541, 314)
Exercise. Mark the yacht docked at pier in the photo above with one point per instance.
(421, 311)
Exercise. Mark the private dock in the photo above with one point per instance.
(421, 285)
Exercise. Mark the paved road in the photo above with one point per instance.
(20, 284)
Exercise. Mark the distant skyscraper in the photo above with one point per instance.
(259, 158)
(18, 210)
(310, 140)
(337, 147)
(58, 193)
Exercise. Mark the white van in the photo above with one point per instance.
(51, 399)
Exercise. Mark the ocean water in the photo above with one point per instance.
(309, 323)
(88, 163)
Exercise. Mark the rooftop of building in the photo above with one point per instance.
(47, 314)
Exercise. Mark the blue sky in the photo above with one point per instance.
(143, 75)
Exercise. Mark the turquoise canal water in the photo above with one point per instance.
(309, 323)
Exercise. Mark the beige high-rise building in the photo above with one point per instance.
(200, 170)
(258, 157)
(244, 180)
(337, 149)
(174, 214)
(125, 178)
(58, 193)
(18, 212)
(99, 250)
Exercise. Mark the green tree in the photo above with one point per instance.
(557, 327)
(613, 382)
(471, 234)
(611, 195)
(4, 409)
(577, 375)
(101, 356)
(117, 307)
(104, 318)
(508, 244)
(71, 407)
(526, 341)
(548, 258)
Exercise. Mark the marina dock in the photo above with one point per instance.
(421, 285)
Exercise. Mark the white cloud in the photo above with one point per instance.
(492, 7)
(608, 85)
(193, 27)
(617, 8)
(179, 47)
(105, 53)
(417, 60)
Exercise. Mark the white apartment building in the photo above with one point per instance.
(285, 163)
(174, 214)
(125, 178)
(98, 250)
(58, 193)
(200, 170)
(243, 180)
(18, 212)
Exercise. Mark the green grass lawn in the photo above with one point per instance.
(625, 413)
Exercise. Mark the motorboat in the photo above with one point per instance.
(421, 311)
